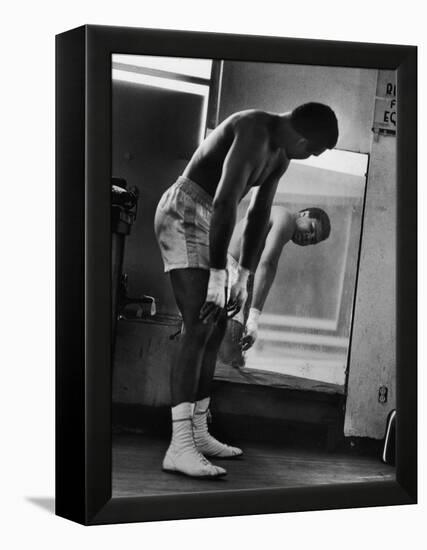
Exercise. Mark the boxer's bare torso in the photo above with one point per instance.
(209, 160)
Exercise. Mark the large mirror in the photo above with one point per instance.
(305, 326)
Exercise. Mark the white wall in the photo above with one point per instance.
(280, 88)
(373, 357)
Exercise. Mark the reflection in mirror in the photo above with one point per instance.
(304, 328)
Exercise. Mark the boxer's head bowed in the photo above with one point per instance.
(316, 128)
(312, 225)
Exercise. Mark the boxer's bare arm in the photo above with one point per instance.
(280, 233)
(256, 222)
(237, 169)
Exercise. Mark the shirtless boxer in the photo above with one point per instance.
(194, 222)
(306, 227)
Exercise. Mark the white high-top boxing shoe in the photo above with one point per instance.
(205, 442)
(182, 455)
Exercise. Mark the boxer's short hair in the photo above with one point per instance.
(319, 214)
(317, 123)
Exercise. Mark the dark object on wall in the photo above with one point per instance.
(83, 314)
(121, 197)
(124, 208)
(389, 450)
(124, 204)
(382, 394)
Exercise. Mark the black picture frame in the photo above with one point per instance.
(83, 274)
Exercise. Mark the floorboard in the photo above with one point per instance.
(137, 468)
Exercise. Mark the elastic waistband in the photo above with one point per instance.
(195, 191)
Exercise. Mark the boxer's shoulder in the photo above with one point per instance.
(251, 119)
(282, 220)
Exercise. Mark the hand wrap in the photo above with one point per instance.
(251, 329)
(238, 291)
(216, 287)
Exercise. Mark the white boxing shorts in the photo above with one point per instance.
(181, 225)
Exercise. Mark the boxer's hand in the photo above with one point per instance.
(251, 331)
(215, 296)
(238, 292)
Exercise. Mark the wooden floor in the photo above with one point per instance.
(137, 468)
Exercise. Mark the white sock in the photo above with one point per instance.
(205, 443)
(182, 410)
(182, 454)
(182, 436)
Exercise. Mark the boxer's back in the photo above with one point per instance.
(206, 164)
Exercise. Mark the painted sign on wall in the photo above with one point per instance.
(385, 117)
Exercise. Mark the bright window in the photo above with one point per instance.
(191, 67)
(191, 76)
